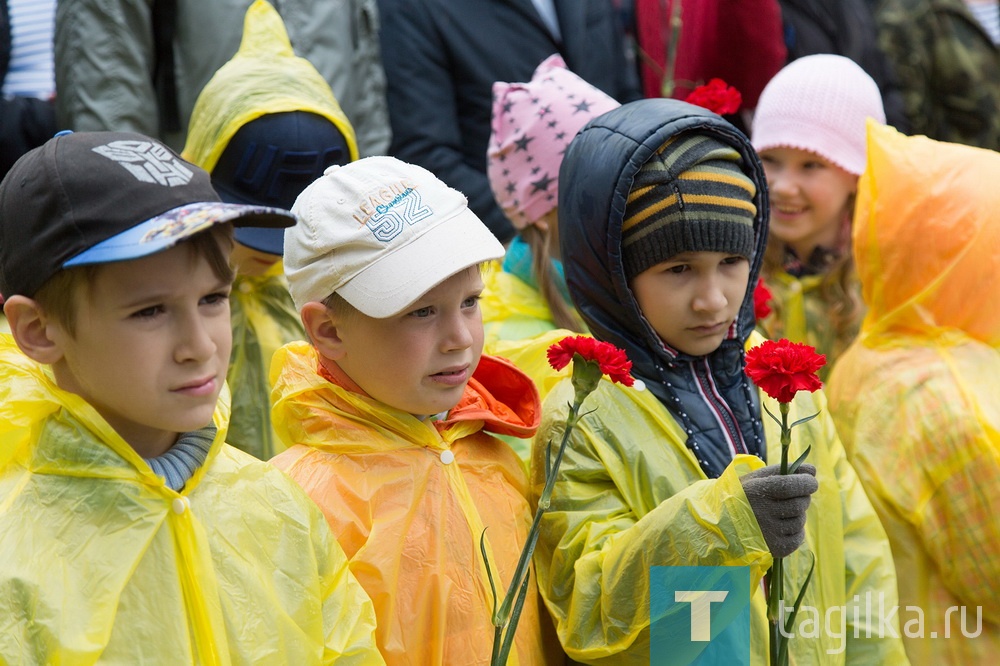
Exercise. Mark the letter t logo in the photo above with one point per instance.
(701, 610)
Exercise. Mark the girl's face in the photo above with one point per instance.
(812, 199)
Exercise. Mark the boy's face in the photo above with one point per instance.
(421, 360)
(692, 299)
(151, 347)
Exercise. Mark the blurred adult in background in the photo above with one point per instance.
(947, 59)
(442, 57)
(27, 114)
(140, 64)
(682, 45)
(847, 28)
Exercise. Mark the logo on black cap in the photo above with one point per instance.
(149, 162)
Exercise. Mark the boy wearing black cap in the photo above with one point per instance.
(129, 531)
(665, 212)
(265, 126)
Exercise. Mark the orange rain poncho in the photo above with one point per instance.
(101, 562)
(409, 500)
(917, 397)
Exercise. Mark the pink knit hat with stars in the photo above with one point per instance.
(819, 103)
(532, 125)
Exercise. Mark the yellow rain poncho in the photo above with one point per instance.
(530, 356)
(801, 314)
(917, 397)
(632, 495)
(518, 326)
(409, 501)
(512, 309)
(264, 318)
(264, 77)
(101, 562)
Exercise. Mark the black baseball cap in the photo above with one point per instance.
(98, 197)
(270, 160)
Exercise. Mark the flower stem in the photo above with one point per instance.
(505, 627)
(776, 582)
(668, 85)
(786, 436)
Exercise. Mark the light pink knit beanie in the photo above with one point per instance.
(819, 103)
(532, 125)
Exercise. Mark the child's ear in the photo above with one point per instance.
(31, 329)
(322, 328)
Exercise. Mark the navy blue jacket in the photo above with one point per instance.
(442, 57)
(709, 395)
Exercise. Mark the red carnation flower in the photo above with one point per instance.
(783, 368)
(761, 297)
(716, 96)
(611, 360)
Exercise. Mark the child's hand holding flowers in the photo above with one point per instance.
(781, 369)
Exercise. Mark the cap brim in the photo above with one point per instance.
(271, 241)
(167, 229)
(396, 280)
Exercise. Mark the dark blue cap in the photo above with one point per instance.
(270, 160)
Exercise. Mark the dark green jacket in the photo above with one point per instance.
(105, 54)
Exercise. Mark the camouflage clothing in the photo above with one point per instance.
(948, 68)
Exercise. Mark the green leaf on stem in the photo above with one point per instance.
(783, 647)
(806, 419)
(548, 458)
(489, 576)
(794, 467)
(769, 413)
(508, 639)
(774, 589)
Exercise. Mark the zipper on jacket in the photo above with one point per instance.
(723, 414)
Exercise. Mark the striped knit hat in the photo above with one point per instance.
(691, 196)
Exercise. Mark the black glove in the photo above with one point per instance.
(779, 503)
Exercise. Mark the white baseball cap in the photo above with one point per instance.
(381, 233)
